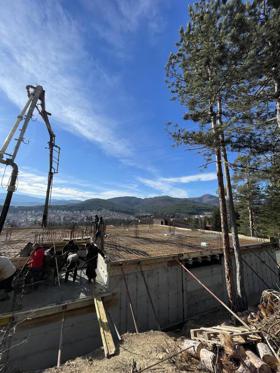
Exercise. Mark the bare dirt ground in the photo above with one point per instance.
(142, 349)
(145, 349)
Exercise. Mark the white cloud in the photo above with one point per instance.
(45, 46)
(34, 184)
(191, 178)
(166, 185)
(164, 188)
(116, 20)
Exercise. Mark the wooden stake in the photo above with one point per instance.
(60, 342)
(213, 295)
(115, 326)
(130, 302)
(56, 265)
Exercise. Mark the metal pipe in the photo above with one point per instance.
(15, 127)
(35, 98)
(11, 189)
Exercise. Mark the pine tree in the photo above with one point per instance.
(201, 75)
(248, 194)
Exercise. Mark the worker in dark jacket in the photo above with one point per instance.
(91, 260)
(70, 251)
(70, 247)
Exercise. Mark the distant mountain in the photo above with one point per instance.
(25, 200)
(157, 206)
(163, 205)
(208, 199)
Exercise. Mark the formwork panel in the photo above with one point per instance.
(80, 335)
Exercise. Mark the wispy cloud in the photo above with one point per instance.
(164, 188)
(166, 185)
(45, 46)
(118, 19)
(191, 178)
(34, 184)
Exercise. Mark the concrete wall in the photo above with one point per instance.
(176, 297)
(37, 347)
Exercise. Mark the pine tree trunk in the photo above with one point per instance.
(251, 220)
(240, 288)
(223, 212)
(277, 89)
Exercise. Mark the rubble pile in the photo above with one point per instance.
(230, 348)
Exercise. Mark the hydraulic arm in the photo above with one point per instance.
(36, 100)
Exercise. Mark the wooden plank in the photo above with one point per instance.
(37, 313)
(106, 336)
(230, 328)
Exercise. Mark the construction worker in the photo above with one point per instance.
(7, 273)
(50, 266)
(99, 235)
(70, 248)
(36, 263)
(91, 260)
(70, 251)
(95, 224)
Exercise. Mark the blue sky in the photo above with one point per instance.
(101, 63)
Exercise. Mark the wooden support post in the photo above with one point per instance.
(130, 302)
(115, 327)
(56, 265)
(150, 297)
(213, 295)
(60, 342)
(106, 336)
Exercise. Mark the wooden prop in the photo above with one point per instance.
(213, 295)
(60, 342)
(130, 302)
(106, 336)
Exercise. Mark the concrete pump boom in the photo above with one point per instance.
(36, 99)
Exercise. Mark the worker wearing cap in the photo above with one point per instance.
(7, 273)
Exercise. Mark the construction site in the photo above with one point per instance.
(142, 285)
(149, 277)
